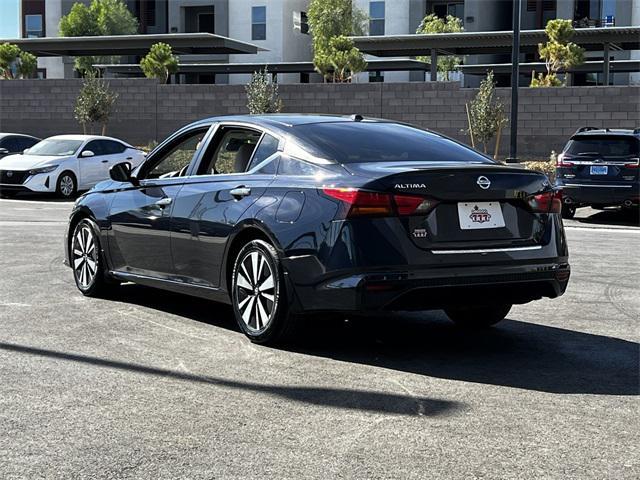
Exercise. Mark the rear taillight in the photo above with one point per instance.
(563, 161)
(634, 163)
(412, 205)
(363, 203)
(548, 202)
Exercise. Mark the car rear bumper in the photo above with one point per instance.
(429, 288)
(600, 194)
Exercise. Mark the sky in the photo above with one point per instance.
(9, 19)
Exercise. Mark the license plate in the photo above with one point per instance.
(599, 170)
(478, 215)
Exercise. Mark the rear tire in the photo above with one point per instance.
(478, 316)
(259, 296)
(568, 211)
(67, 185)
(87, 261)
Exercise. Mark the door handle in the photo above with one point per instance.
(240, 191)
(163, 202)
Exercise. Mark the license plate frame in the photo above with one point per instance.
(598, 170)
(480, 215)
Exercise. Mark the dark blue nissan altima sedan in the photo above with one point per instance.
(282, 215)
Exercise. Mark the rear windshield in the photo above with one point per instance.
(604, 146)
(355, 142)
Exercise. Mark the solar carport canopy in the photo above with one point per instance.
(181, 44)
(472, 43)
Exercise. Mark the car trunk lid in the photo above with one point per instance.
(474, 205)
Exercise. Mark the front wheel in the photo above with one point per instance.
(259, 295)
(568, 211)
(478, 316)
(87, 262)
(67, 185)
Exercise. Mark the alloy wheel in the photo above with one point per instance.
(255, 291)
(85, 256)
(66, 186)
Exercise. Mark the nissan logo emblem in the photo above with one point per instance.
(9, 174)
(483, 182)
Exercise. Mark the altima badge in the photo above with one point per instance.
(483, 182)
(409, 185)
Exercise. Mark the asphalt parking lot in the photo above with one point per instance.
(155, 385)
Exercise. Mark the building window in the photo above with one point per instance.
(33, 24)
(258, 23)
(376, 18)
(206, 23)
(376, 77)
(455, 9)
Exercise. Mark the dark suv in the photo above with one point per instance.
(599, 168)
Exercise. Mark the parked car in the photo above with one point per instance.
(12, 143)
(599, 168)
(280, 215)
(65, 164)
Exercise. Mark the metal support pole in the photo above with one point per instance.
(606, 70)
(434, 65)
(515, 76)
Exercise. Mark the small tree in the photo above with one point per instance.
(559, 53)
(486, 114)
(329, 19)
(101, 17)
(433, 24)
(160, 62)
(342, 60)
(12, 59)
(95, 102)
(262, 95)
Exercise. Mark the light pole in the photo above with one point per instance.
(515, 76)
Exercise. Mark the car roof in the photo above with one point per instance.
(23, 135)
(286, 122)
(86, 138)
(607, 131)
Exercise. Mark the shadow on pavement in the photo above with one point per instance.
(617, 216)
(326, 397)
(514, 354)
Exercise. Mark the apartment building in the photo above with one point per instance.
(269, 24)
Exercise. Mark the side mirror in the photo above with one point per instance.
(25, 151)
(87, 153)
(3, 151)
(121, 172)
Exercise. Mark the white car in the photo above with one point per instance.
(65, 164)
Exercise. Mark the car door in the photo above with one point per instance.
(140, 215)
(92, 169)
(229, 179)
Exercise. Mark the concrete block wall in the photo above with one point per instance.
(148, 111)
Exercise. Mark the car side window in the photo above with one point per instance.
(292, 166)
(267, 147)
(230, 151)
(95, 146)
(11, 144)
(24, 143)
(113, 148)
(174, 161)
